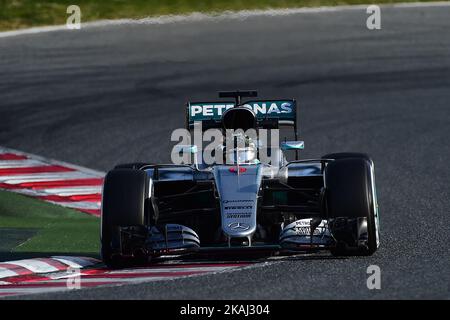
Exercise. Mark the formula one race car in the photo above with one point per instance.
(243, 204)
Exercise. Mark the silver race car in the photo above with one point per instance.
(243, 203)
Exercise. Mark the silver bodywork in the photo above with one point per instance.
(238, 187)
(238, 192)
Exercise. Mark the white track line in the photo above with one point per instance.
(14, 178)
(6, 273)
(44, 265)
(78, 205)
(76, 262)
(39, 177)
(63, 192)
(34, 266)
(52, 161)
(215, 17)
(107, 280)
(21, 163)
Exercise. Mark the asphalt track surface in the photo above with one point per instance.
(100, 96)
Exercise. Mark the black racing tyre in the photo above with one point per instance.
(346, 155)
(134, 166)
(350, 194)
(123, 203)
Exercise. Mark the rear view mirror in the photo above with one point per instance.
(292, 145)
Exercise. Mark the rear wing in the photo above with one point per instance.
(269, 113)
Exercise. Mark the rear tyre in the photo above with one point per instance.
(350, 196)
(123, 205)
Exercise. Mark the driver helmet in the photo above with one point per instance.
(244, 150)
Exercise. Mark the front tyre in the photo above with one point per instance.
(352, 206)
(346, 155)
(123, 205)
(134, 165)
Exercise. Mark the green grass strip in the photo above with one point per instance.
(59, 230)
(16, 14)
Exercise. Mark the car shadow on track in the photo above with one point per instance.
(316, 257)
(255, 258)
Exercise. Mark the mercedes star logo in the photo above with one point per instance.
(239, 226)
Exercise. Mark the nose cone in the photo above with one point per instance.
(238, 194)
